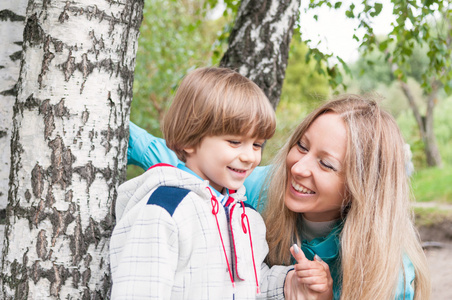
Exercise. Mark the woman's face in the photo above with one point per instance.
(316, 181)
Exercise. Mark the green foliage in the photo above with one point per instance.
(175, 36)
(427, 23)
(433, 185)
(288, 116)
(302, 83)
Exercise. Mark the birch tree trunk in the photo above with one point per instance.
(69, 143)
(258, 46)
(425, 123)
(12, 17)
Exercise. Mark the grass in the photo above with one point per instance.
(433, 185)
(428, 216)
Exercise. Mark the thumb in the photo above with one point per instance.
(297, 253)
(324, 264)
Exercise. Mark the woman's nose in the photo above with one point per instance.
(302, 167)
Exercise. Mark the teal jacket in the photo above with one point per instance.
(146, 150)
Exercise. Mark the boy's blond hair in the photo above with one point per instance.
(216, 101)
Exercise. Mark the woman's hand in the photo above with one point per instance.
(310, 280)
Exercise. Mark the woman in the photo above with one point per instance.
(339, 189)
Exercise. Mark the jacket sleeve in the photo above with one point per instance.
(146, 150)
(405, 290)
(273, 280)
(144, 254)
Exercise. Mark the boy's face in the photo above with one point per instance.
(225, 160)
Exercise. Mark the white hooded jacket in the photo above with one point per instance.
(174, 240)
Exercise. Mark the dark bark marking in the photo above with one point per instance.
(10, 92)
(77, 245)
(62, 160)
(18, 281)
(69, 195)
(33, 33)
(30, 103)
(41, 245)
(98, 44)
(75, 278)
(88, 172)
(60, 221)
(85, 116)
(69, 66)
(3, 134)
(38, 213)
(91, 135)
(92, 233)
(27, 195)
(58, 45)
(6, 14)
(86, 67)
(37, 180)
(60, 274)
(50, 199)
(3, 216)
(86, 276)
(48, 57)
(60, 109)
(108, 136)
(50, 112)
(49, 120)
(16, 55)
(35, 272)
(64, 15)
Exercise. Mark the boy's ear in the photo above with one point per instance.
(189, 150)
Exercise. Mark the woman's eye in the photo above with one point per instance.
(326, 165)
(302, 147)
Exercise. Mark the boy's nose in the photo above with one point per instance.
(248, 155)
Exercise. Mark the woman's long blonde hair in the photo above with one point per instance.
(378, 221)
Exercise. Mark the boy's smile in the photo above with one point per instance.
(225, 160)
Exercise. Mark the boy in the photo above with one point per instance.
(185, 233)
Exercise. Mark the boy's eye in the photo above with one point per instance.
(232, 142)
(258, 145)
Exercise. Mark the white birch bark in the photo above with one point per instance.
(69, 141)
(258, 46)
(12, 17)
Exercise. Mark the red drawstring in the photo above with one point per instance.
(244, 216)
(215, 208)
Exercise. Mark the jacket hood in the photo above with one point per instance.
(135, 189)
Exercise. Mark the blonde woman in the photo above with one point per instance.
(339, 191)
